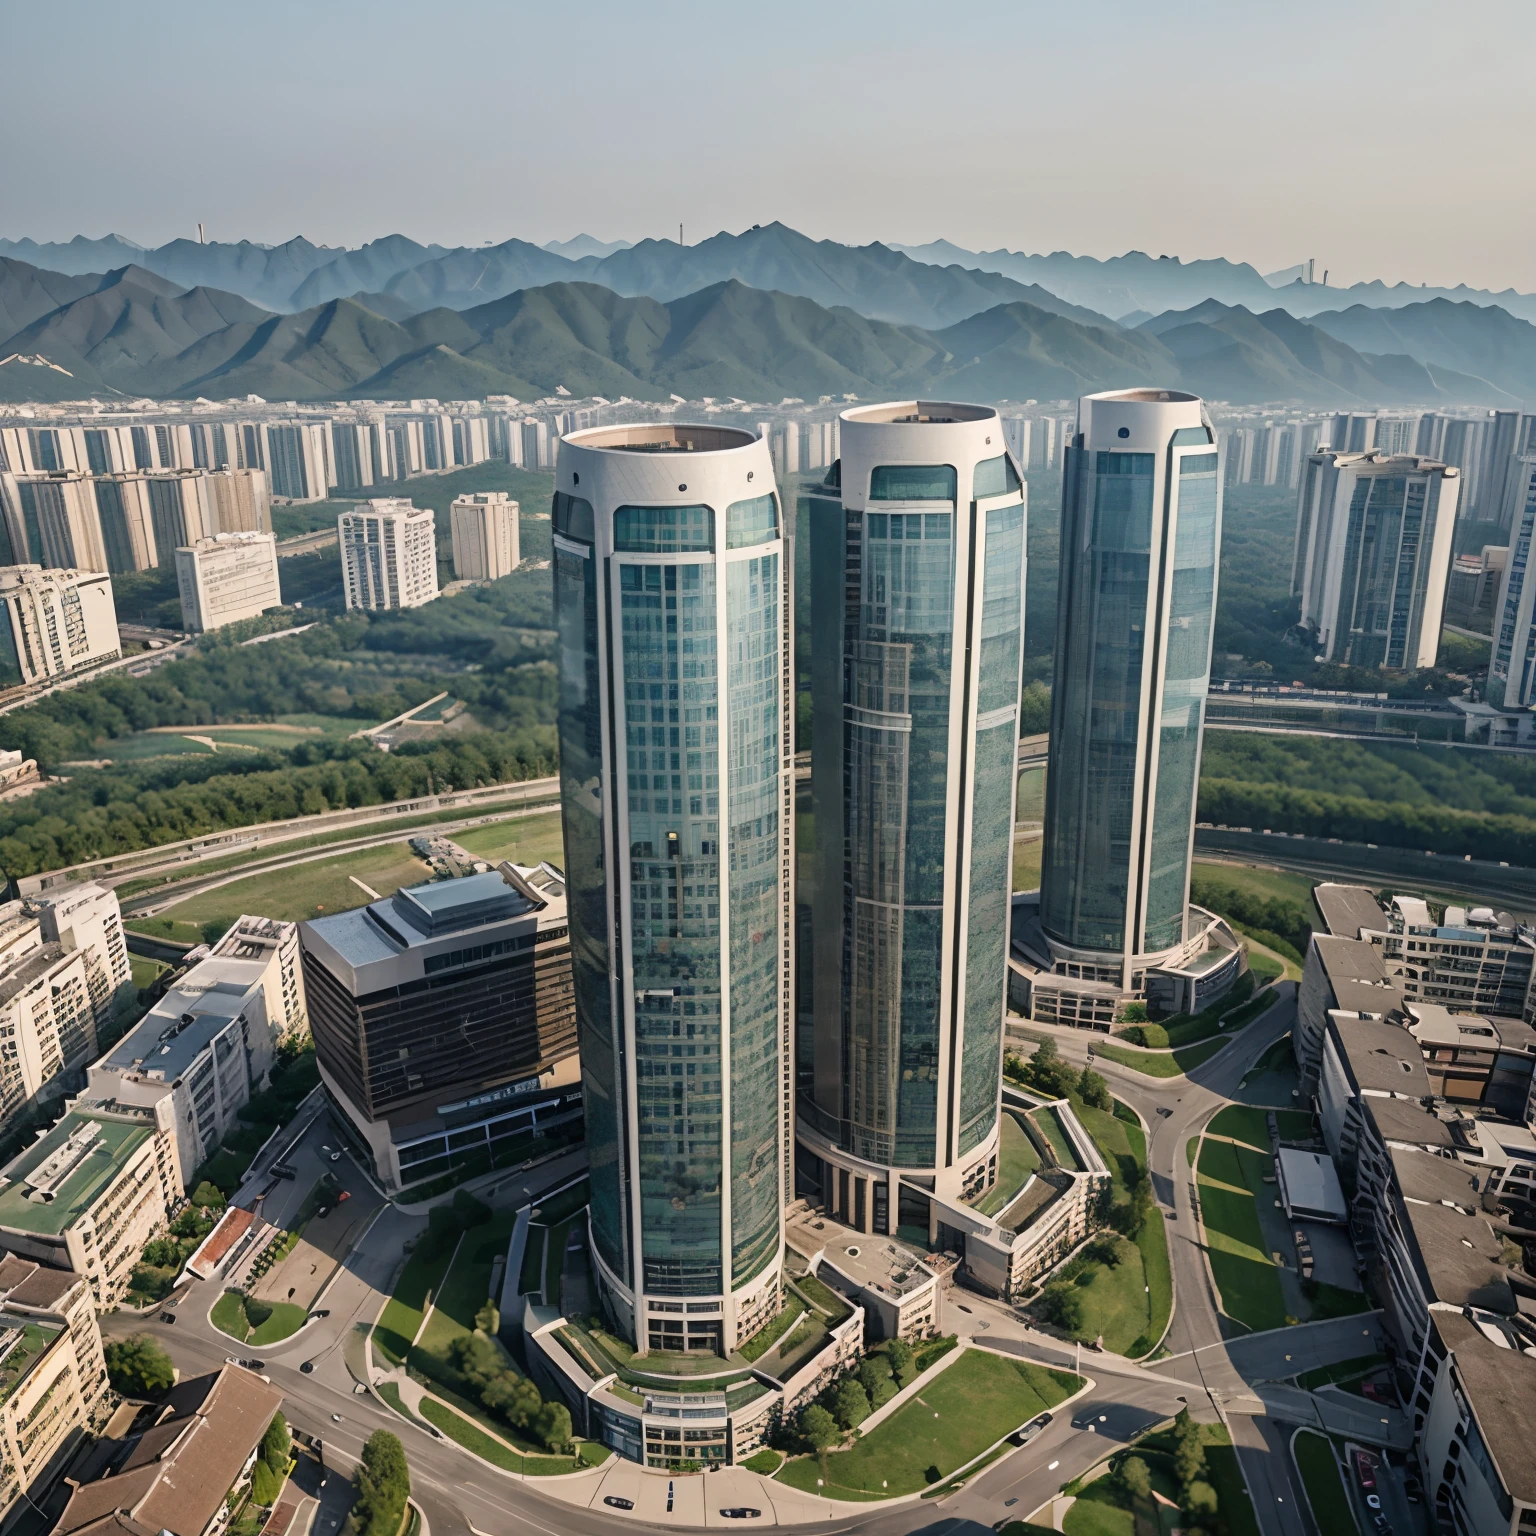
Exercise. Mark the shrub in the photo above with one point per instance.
(850, 1404)
(1133, 1013)
(817, 1426)
(1094, 1091)
(443, 1231)
(265, 1484)
(383, 1485)
(1060, 1304)
(1200, 1499)
(903, 1362)
(552, 1426)
(276, 1443)
(488, 1318)
(470, 1211)
(1134, 1474)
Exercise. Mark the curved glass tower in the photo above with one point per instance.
(1140, 535)
(672, 603)
(917, 615)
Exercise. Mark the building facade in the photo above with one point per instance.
(56, 621)
(444, 1022)
(1141, 536)
(917, 612)
(672, 600)
(225, 578)
(485, 536)
(88, 918)
(388, 554)
(1512, 665)
(1372, 556)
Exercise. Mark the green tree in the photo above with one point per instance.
(903, 1361)
(383, 1485)
(138, 1367)
(1134, 1474)
(1060, 1304)
(818, 1427)
(850, 1403)
(488, 1318)
(1200, 1499)
(471, 1212)
(1188, 1450)
(552, 1426)
(874, 1375)
(1094, 1091)
(265, 1484)
(1133, 1013)
(275, 1444)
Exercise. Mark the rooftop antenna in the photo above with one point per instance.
(200, 239)
(1325, 277)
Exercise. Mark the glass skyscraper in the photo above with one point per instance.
(672, 604)
(1140, 536)
(917, 618)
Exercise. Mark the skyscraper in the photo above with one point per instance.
(485, 535)
(1373, 555)
(1140, 535)
(672, 604)
(917, 615)
(1512, 666)
(388, 554)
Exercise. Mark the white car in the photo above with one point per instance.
(1373, 1501)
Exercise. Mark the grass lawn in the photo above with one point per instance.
(821, 1295)
(1245, 1275)
(1251, 1010)
(306, 890)
(765, 1462)
(1325, 1489)
(466, 1286)
(554, 1260)
(531, 1276)
(1243, 1122)
(764, 1340)
(524, 840)
(144, 971)
(1026, 864)
(1162, 1063)
(228, 1316)
(1265, 883)
(1032, 795)
(1016, 1160)
(1055, 1133)
(1103, 1508)
(974, 1402)
(489, 1447)
(405, 1309)
(1264, 964)
(1188, 1029)
(1224, 1474)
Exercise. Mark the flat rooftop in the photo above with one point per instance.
(98, 1160)
(1461, 1255)
(1357, 975)
(1501, 1387)
(1348, 909)
(169, 1039)
(1310, 1186)
(23, 1342)
(1383, 1057)
(870, 1260)
(1406, 1120)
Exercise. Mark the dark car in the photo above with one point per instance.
(254, 1365)
(307, 1368)
(613, 1501)
(167, 1317)
(1165, 1112)
(1028, 1432)
(740, 1512)
(1088, 1418)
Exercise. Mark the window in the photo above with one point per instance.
(995, 477)
(663, 530)
(912, 482)
(751, 522)
(573, 517)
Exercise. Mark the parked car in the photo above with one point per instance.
(1029, 1431)
(1365, 1470)
(613, 1501)
(167, 1317)
(740, 1512)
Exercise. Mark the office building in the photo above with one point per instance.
(444, 1022)
(1512, 664)
(388, 554)
(209, 1043)
(1141, 535)
(485, 536)
(917, 613)
(184, 1473)
(50, 520)
(1372, 556)
(91, 1192)
(57, 622)
(672, 601)
(225, 578)
(87, 918)
(298, 460)
(238, 501)
(53, 1377)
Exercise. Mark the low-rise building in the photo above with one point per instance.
(1364, 1060)
(1345, 978)
(1475, 960)
(53, 1379)
(183, 1474)
(56, 621)
(886, 1277)
(209, 1042)
(1472, 1059)
(1348, 911)
(444, 1020)
(226, 577)
(89, 1193)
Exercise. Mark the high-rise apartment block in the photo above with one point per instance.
(87, 918)
(388, 554)
(47, 1018)
(225, 578)
(672, 602)
(485, 536)
(298, 460)
(1141, 534)
(917, 619)
(1372, 556)
(444, 1022)
(51, 520)
(57, 621)
(1512, 665)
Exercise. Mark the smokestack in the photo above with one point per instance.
(200, 239)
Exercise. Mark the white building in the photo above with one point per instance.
(225, 578)
(485, 536)
(388, 554)
(50, 520)
(126, 521)
(1511, 683)
(178, 511)
(87, 918)
(47, 1020)
(1373, 555)
(239, 501)
(209, 1043)
(58, 621)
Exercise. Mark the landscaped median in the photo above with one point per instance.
(249, 1321)
(1324, 1487)
(1160, 1063)
(950, 1420)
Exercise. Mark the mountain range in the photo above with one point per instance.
(134, 332)
(930, 285)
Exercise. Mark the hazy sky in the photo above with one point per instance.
(1386, 139)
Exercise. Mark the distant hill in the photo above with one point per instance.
(585, 245)
(133, 332)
